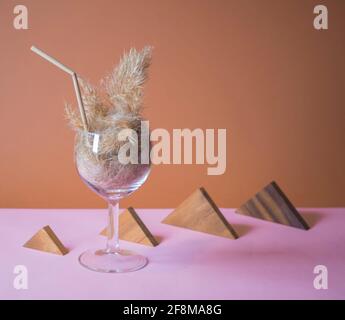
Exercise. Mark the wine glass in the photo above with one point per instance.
(99, 166)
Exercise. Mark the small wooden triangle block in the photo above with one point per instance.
(199, 213)
(133, 229)
(273, 205)
(46, 240)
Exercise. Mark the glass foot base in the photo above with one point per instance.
(112, 262)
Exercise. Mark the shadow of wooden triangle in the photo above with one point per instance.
(200, 213)
(312, 218)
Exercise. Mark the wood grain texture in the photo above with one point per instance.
(133, 229)
(46, 240)
(200, 213)
(273, 205)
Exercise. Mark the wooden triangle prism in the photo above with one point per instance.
(46, 240)
(133, 229)
(272, 204)
(199, 213)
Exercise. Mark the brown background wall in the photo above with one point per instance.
(257, 68)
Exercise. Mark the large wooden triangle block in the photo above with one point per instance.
(133, 229)
(200, 213)
(46, 240)
(273, 205)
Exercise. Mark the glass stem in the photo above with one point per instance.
(113, 244)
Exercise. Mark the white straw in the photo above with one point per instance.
(80, 100)
(52, 60)
(74, 78)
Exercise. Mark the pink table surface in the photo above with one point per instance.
(268, 261)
